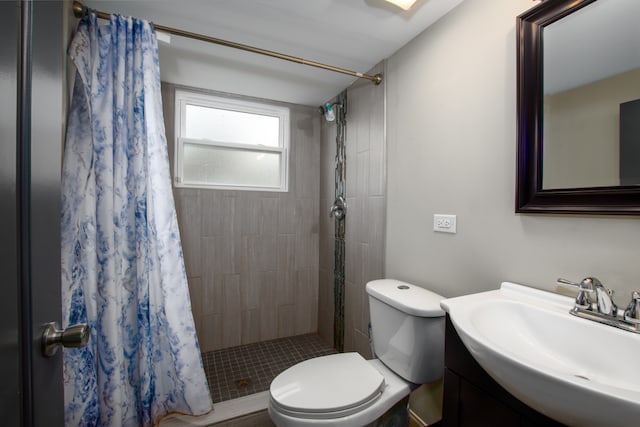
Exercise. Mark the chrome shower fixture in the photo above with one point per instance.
(328, 111)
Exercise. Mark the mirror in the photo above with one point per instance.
(579, 107)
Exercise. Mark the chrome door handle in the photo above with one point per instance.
(74, 336)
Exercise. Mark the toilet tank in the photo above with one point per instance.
(407, 327)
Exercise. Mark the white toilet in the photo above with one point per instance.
(347, 390)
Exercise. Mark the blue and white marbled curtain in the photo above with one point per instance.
(122, 265)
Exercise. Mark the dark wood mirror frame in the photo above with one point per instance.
(530, 197)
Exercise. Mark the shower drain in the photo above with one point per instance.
(245, 382)
(582, 376)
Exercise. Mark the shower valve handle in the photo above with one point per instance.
(339, 208)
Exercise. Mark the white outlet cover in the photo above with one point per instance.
(444, 223)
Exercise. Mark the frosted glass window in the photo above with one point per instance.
(205, 164)
(232, 126)
(230, 144)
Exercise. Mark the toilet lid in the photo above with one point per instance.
(334, 383)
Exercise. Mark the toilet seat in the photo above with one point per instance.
(331, 386)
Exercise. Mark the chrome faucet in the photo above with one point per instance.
(632, 313)
(583, 299)
(604, 310)
(604, 298)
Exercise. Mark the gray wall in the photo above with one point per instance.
(252, 257)
(364, 229)
(451, 102)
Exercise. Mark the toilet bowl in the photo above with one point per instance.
(347, 390)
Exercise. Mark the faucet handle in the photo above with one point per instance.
(632, 313)
(585, 287)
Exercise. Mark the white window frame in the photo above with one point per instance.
(184, 98)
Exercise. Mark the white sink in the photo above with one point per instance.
(574, 370)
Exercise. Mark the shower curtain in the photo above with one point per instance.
(122, 266)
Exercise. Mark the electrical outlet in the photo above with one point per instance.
(444, 223)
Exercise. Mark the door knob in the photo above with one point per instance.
(74, 336)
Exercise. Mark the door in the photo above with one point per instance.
(32, 89)
(630, 142)
(9, 349)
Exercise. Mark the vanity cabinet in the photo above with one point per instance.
(473, 399)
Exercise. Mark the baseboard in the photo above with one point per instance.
(222, 411)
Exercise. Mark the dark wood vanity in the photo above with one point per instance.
(473, 399)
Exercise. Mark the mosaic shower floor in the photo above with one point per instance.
(248, 369)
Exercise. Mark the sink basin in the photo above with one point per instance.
(573, 370)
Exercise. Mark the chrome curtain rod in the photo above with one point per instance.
(79, 10)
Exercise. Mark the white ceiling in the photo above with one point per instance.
(351, 34)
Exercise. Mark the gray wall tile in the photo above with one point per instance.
(268, 306)
(195, 291)
(212, 293)
(251, 326)
(247, 214)
(327, 158)
(210, 332)
(306, 255)
(250, 289)
(244, 250)
(362, 197)
(307, 176)
(232, 314)
(223, 250)
(307, 290)
(362, 270)
(377, 152)
(188, 212)
(362, 96)
(217, 209)
(352, 155)
(286, 320)
(353, 307)
(325, 241)
(375, 235)
(325, 305)
(287, 214)
(287, 277)
(269, 215)
(362, 344)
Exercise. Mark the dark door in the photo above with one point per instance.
(9, 347)
(630, 143)
(32, 89)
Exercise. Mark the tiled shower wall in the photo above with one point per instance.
(327, 230)
(252, 257)
(365, 145)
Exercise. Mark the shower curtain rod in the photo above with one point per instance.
(79, 10)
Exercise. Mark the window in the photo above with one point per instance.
(230, 143)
